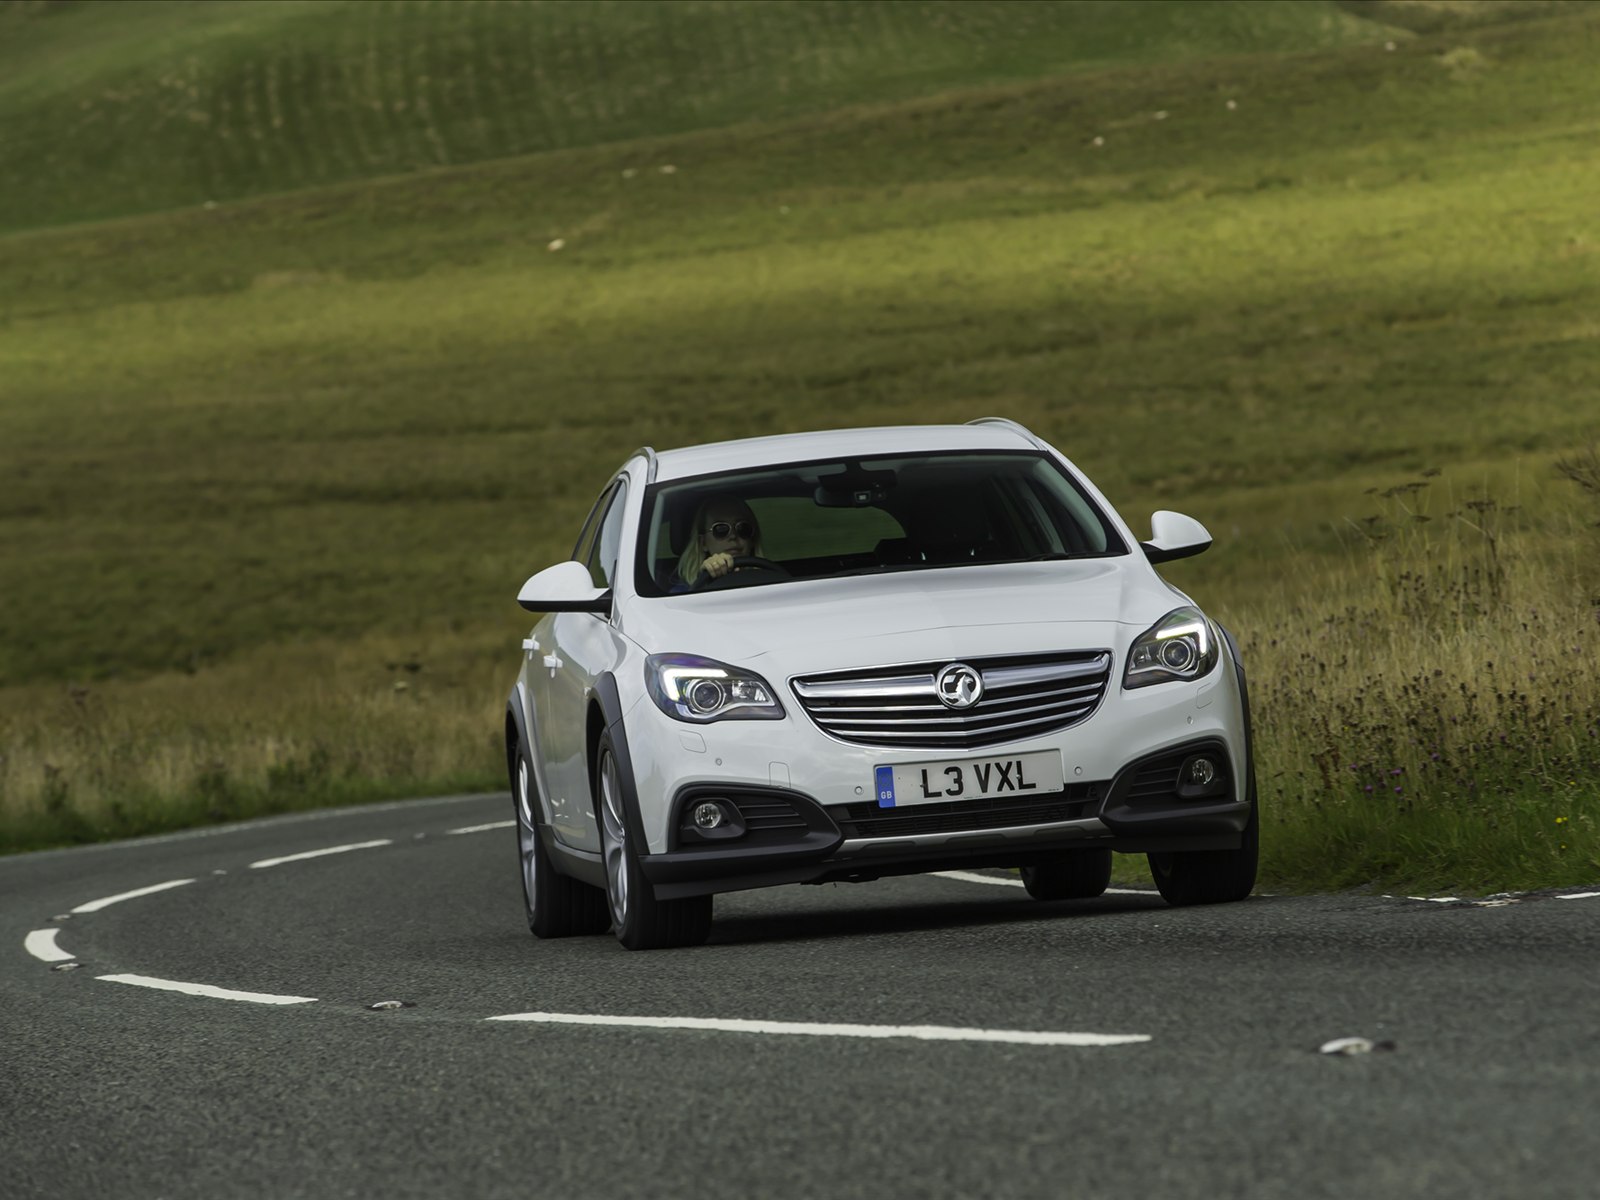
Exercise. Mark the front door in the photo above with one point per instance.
(583, 647)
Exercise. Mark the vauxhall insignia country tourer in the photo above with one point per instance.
(844, 655)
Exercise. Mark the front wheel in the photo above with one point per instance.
(1210, 876)
(642, 922)
(556, 905)
(1070, 875)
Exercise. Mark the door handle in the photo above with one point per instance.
(554, 663)
(530, 644)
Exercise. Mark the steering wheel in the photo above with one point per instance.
(742, 562)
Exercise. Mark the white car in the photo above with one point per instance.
(902, 650)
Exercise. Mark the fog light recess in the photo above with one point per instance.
(1202, 776)
(710, 819)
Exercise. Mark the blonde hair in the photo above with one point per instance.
(693, 557)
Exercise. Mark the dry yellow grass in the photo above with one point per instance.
(126, 757)
(1430, 714)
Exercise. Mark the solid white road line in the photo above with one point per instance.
(929, 1033)
(97, 905)
(41, 943)
(483, 828)
(1579, 896)
(288, 858)
(973, 877)
(205, 989)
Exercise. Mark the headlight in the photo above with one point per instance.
(694, 689)
(1178, 647)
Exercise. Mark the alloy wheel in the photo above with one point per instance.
(615, 842)
(527, 832)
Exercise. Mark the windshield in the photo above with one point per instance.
(864, 516)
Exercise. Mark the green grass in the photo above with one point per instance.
(108, 109)
(259, 453)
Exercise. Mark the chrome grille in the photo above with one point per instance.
(900, 706)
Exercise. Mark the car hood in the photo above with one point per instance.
(823, 625)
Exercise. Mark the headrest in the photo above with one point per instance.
(680, 525)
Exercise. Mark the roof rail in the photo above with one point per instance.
(1016, 427)
(650, 461)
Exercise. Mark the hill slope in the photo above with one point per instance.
(109, 109)
(273, 469)
(1387, 253)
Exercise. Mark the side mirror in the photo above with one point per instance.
(565, 587)
(1173, 535)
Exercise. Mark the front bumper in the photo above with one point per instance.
(794, 839)
(1114, 793)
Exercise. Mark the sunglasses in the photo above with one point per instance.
(745, 529)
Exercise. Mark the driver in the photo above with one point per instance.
(725, 529)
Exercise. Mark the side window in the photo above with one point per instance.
(591, 525)
(602, 557)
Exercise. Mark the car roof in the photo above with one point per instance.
(879, 442)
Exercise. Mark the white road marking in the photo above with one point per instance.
(288, 858)
(41, 943)
(97, 905)
(326, 814)
(1579, 896)
(484, 828)
(928, 1033)
(205, 989)
(974, 877)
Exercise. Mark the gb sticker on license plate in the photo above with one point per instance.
(885, 784)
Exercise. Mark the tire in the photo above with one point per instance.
(641, 921)
(1070, 875)
(556, 905)
(1210, 876)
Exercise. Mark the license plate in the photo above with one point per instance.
(941, 782)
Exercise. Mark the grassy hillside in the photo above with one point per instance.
(275, 468)
(110, 108)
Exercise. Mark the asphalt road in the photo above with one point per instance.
(125, 1089)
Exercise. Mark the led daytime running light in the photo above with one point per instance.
(672, 676)
(1182, 646)
(700, 690)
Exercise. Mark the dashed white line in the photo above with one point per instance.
(327, 814)
(41, 943)
(289, 858)
(483, 828)
(974, 877)
(97, 905)
(205, 989)
(928, 1033)
(1579, 896)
